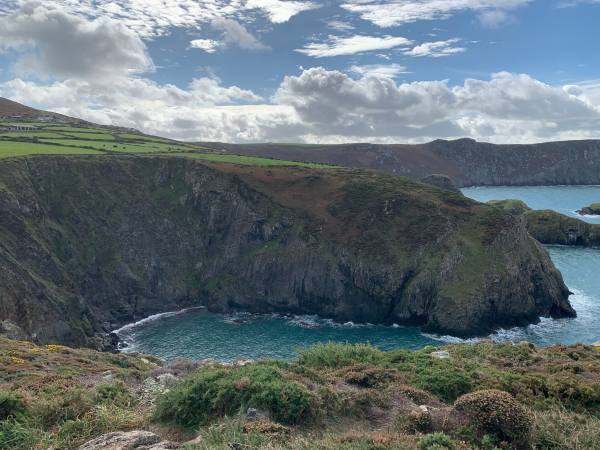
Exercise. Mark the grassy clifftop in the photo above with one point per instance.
(482, 396)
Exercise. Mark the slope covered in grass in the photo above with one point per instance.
(332, 397)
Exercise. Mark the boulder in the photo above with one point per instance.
(130, 440)
(11, 330)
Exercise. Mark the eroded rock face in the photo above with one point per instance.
(89, 244)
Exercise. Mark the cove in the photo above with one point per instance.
(199, 334)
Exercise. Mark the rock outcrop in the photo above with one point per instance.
(592, 210)
(89, 244)
(128, 440)
(552, 228)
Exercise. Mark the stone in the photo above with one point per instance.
(11, 330)
(167, 379)
(440, 355)
(255, 414)
(130, 440)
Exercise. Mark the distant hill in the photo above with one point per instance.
(13, 110)
(466, 161)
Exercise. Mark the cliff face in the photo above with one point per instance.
(88, 244)
(467, 162)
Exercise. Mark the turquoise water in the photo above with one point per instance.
(198, 334)
(564, 199)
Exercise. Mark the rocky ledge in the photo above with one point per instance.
(592, 210)
(89, 244)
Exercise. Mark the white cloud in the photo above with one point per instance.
(336, 45)
(51, 42)
(436, 49)
(388, 13)
(339, 25)
(321, 105)
(208, 45)
(379, 70)
(235, 34)
(280, 11)
(151, 18)
(495, 18)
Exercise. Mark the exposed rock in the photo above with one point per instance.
(255, 414)
(95, 241)
(440, 355)
(11, 330)
(592, 210)
(167, 379)
(441, 181)
(130, 440)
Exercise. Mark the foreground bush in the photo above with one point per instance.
(11, 405)
(498, 413)
(217, 392)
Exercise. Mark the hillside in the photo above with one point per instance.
(10, 110)
(332, 397)
(89, 244)
(467, 162)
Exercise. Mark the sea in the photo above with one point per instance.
(199, 334)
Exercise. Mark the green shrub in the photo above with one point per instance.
(442, 379)
(15, 435)
(498, 413)
(217, 392)
(336, 355)
(60, 405)
(436, 441)
(11, 405)
(115, 393)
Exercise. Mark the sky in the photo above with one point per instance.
(315, 71)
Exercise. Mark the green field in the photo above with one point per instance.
(62, 139)
(11, 149)
(249, 160)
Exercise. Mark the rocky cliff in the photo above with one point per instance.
(88, 244)
(552, 228)
(467, 162)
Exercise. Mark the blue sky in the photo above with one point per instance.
(311, 70)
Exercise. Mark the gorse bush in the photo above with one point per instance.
(15, 435)
(436, 441)
(216, 392)
(335, 355)
(115, 393)
(11, 405)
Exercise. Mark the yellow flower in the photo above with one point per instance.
(55, 347)
(15, 360)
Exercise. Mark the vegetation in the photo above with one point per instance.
(60, 139)
(485, 396)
